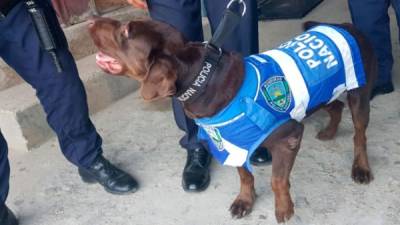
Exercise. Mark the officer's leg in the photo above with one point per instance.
(246, 43)
(371, 17)
(4, 170)
(62, 95)
(247, 40)
(6, 215)
(396, 6)
(185, 15)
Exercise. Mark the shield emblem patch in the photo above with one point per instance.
(276, 93)
(215, 137)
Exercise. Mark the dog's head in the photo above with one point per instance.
(140, 49)
(155, 54)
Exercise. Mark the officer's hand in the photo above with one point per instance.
(141, 4)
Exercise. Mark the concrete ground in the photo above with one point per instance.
(142, 138)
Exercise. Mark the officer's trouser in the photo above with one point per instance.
(371, 17)
(62, 95)
(185, 15)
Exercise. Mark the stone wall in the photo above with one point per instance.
(75, 11)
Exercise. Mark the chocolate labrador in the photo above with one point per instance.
(166, 65)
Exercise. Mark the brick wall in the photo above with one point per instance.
(74, 11)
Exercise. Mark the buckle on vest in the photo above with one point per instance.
(2, 16)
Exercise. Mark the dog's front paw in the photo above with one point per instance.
(361, 175)
(241, 207)
(284, 212)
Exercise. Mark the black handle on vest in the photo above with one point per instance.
(228, 23)
(43, 31)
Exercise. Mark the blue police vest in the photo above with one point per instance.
(312, 69)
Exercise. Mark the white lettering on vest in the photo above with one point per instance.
(302, 37)
(306, 46)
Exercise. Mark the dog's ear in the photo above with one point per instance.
(160, 79)
(141, 41)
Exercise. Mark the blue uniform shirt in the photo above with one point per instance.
(312, 69)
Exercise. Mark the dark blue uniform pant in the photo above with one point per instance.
(371, 17)
(62, 95)
(185, 15)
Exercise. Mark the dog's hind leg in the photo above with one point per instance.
(359, 107)
(334, 110)
(244, 202)
(284, 144)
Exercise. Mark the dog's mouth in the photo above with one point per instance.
(108, 63)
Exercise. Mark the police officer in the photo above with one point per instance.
(62, 96)
(371, 17)
(185, 15)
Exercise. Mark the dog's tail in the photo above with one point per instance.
(309, 24)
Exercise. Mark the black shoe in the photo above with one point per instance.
(114, 180)
(196, 175)
(382, 89)
(261, 157)
(7, 217)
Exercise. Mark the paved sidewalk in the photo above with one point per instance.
(142, 138)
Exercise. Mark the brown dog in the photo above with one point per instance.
(158, 57)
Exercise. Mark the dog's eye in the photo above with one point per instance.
(121, 35)
(123, 38)
(125, 31)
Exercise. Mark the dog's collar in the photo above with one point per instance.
(213, 55)
(199, 83)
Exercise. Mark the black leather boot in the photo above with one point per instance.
(196, 175)
(114, 180)
(7, 217)
(261, 157)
